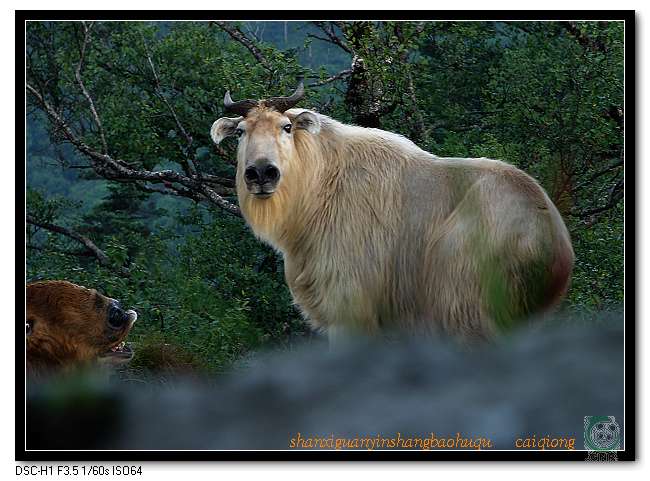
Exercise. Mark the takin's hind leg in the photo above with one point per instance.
(456, 295)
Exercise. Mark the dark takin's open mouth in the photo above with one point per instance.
(118, 354)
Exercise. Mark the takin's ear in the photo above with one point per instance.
(308, 121)
(224, 127)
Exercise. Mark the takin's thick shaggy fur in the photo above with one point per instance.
(378, 234)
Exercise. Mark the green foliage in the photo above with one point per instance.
(598, 274)
(546, 97)
(200, 293)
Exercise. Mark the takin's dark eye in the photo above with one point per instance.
(287, 128)
(239, 132)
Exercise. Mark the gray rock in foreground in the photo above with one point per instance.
(540, 382)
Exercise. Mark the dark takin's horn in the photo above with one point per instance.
(241, 107)
(282, 104)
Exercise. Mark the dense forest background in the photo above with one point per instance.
(126, 192)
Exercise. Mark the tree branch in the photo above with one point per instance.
(215, 179)
(332, 37)
(241, 37)
(85, 92)
(115, 169)
(615, 196)
(333, 78)
(159, 92)
(602, 172)
(171, 189)
(101, 257)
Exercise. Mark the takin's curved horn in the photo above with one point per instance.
(240, 107)
(282, 104)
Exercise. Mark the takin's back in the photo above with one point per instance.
(403, 239)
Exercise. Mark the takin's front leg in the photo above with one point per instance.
(353, 318)
(340, 337)
(336, 337)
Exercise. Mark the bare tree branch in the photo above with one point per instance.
(101, 257)
(332, 37)
(172, 111)
(241, 37)
(600, 173)
(333, 78)
(85, 92)
(175, 190)
(615, 196)
(116, 169)
(215, 179)
(169, 189)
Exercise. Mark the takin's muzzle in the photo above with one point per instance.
(262, 177)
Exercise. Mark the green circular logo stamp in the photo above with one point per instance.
(602, 433)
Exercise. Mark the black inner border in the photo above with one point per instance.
(628, 16)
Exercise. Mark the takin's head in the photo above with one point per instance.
(266, 138)
(69, 325)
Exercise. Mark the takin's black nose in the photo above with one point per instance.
(262, 173)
